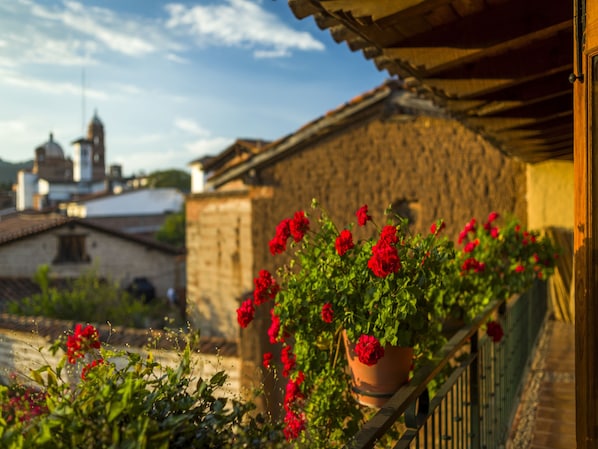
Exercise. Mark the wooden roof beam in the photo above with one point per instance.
(535, 58)
(443, 57)
(467, 88)
(379, 10)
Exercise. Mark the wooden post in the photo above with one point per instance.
(586, 229)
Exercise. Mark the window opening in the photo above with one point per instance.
(71, 249)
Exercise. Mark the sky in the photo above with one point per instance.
(171, 82)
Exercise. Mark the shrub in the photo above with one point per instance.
(126, 400)
(91, 299)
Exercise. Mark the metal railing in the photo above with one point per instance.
(481, 384)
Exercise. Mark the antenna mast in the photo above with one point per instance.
(83, 102)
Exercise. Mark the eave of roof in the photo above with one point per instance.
(323, 125)
(501, 67)
(17, 228)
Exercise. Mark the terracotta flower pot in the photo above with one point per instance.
(374, 385)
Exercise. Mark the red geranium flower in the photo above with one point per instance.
(344, 242)
(385, 259)
(471, 246)
(299, 225)
(362, 215)
(288, 360)
(293, 392)
(473, 264)
(327, 313)
(369, 350)
(295, 424)
(81, 342)
(265, 287)
(266, 359)
(278, 244)
(494, 330)
(245, 313)
(274, 328)
(389, 235)
(491, 217)
(435, 229)
(89, 366)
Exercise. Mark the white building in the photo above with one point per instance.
(56, 178)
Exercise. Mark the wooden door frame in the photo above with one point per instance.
(585, 156)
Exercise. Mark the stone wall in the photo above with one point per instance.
(428, 168)
(219, 260)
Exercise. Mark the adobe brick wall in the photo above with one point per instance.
(437, 166)
(219, 260)
(442, 169)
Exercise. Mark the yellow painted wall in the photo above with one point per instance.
(550, 195)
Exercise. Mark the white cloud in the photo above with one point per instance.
(191, 127)
(128, 35)
(152, 160)
(56, 88)
(102, 25)
(128, 89)
(213, 145)
(240, 23)
(12, 126)
(176, 58)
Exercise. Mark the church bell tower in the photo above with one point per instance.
(95, 134)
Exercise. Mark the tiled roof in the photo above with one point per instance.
(25, 225)
(14, 288)
(20, 225)
(334, 119)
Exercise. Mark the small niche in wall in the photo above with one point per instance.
(407, 208)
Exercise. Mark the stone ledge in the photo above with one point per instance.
(50, 329)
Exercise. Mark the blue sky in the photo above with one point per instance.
(170, 81)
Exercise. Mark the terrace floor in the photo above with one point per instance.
(545, 418)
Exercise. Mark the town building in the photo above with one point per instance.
(71, 247)
(56, 177)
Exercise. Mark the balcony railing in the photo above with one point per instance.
(480, 384)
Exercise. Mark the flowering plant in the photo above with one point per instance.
(496, 261)
(381, 285)
(124, 399)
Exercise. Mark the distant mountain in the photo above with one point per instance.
(9, 170)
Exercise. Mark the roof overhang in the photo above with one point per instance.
(501, 67)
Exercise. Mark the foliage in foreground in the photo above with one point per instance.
(99, 398)
(91, 299)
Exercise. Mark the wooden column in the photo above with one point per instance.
(586, 232)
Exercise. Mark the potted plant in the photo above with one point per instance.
(497, 259)
(380, 286)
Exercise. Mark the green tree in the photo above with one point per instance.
(173, 230)
(179, 179)
(89, 298)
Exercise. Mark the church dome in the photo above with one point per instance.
(52, 149)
